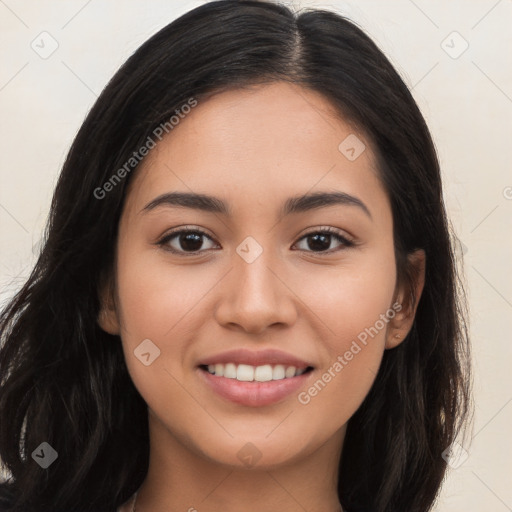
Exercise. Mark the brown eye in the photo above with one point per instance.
(320, 241)
(185, 241)
(189, 242)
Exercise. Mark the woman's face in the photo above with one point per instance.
(262, 278)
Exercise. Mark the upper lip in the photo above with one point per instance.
(252, 358)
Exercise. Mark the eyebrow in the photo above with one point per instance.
(296, 204)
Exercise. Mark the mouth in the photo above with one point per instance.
(254, 386)
(249, 373)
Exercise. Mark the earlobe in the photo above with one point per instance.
(397, 332)
(107, 320)
(408, 296)
(107, 315)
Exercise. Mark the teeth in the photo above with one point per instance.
(230, 371)
(245, 372)
(290, 371)
(263, 373)
(278, 372)
(248, 373)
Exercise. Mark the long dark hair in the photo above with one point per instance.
(64, 381)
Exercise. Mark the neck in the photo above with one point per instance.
(179, 479)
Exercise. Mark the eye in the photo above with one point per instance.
(320, 240)
(188, 241)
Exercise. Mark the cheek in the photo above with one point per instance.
(355, 306)
(338, 389)
(156, 298)
(161, 303)
(349, 298)
(158, 303)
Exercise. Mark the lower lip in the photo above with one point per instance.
(254, 394)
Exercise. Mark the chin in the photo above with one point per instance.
(257, 451)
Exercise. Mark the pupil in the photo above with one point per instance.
(191, 241)
(320, 246)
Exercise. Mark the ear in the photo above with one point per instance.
(107, 316)
(407, 296)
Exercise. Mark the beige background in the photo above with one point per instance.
(467, 102)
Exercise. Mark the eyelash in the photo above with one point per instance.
(163, 242)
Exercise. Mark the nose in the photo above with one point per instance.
(256, 296)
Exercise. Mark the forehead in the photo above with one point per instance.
(259, 144)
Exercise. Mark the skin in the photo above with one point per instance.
(243, 146)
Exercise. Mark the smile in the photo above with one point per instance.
(254, 386)
(248, 373)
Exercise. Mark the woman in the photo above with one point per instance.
(247, 298)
